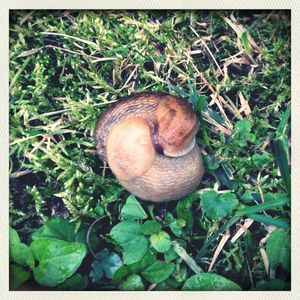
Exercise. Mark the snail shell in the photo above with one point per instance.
(148, 140)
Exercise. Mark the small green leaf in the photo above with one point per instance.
(184, 209)
(106, 264)
(17, 276)
(259, 161)
(158, 272)
(211, 163)
(75, 283)
(245, 41)
(250, 197)
(279, 249)
(242, 133)
(150, 227)
(218, 207)
(132, 210)
(160, 241)
(132, 283)
(209, 282)
(58, 260)
(128, 235)
(99, 210)
(97, 272)
(176, 226)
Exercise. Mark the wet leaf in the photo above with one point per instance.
(158, 272)
(129, 236)
(279, 249)
(218, 207)
(160, 241)
(132, 283)
(132, 210)
(58, 260)
(209, 282)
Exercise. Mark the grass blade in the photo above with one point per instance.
(282, 157)
(270, 221)
(261, 207)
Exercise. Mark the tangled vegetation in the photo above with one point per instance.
(73, 227)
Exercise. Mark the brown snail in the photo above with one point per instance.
(148, 140)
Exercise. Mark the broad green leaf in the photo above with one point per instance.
(18, 252)
(279, 249)
(158, 272)
(132, 210)
(209, 282)
(128, 235)
(218, 207)
(160, 241)
(75, 283)
(63, 229)
(150, 227)
(58, 260)
(57, 228)
(17, 276)
(132, 283)
(13, 237)
(147, 260)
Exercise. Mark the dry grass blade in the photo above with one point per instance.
(215, 99)
(239, 30)
(187, 258)
(245, 106)
(71, 37)
(20, 173)
(240, 60)
(221, 245)
(243, 229)
(95, 58)
(206, 47)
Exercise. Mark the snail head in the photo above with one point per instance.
(176, 127)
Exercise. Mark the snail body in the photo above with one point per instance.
(148, 140)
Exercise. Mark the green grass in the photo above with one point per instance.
(67, 67)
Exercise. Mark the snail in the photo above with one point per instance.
(148, 140)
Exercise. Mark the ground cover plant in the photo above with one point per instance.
(73, 227)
